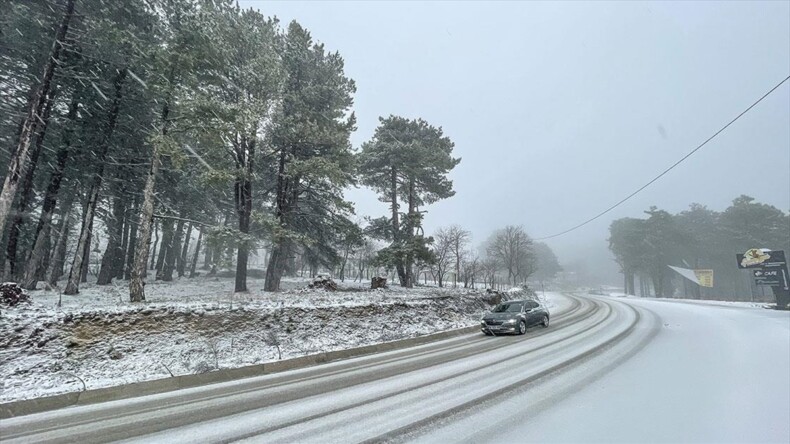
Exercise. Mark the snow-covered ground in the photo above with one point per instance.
(740, 304)
(606, 370)
(711, 374)
(197, 325)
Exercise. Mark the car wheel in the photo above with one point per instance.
(545, 322)
(522, 327)
(488, 333)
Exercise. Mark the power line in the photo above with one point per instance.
(670, 168)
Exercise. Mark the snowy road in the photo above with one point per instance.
(606, 370)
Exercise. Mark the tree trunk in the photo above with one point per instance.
(75, 272)
(182, 261)
(136, 283)
(343, 266)
(173, 251)
(396, 234)
(656, 278)
(35, 265)
(120, 264)
(276, 265)
(113, 253)
(59, 256)
(630, 287)
(15, 267)
(138, 267)
(245, 154)
(153, 248)
(409, 235)
(457, 265)
(207, 258)
(289, 268)
(93, 196)
(195, 256)
(625, 282)
(41, 274)
(272, 283)
(127, 273)
(242, 256)
(20, 155)
(164, 247)
(87, 255)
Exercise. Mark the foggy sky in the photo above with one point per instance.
(559, 110)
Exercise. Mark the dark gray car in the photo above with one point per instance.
(514, 317)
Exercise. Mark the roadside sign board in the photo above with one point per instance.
(766, 273)
(768, 277)
(769, 269)
(704, 277)
(756, 258)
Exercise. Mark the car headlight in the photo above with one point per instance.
(510, 321)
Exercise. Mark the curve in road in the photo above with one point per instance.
(394, 396)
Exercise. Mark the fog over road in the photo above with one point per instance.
(607, 369)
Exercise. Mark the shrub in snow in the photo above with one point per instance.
(214, 349)
(203, 367)
(12, 294)
(271, 339)
(114, 353)
(323, 282)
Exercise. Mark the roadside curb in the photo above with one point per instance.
(136, 389)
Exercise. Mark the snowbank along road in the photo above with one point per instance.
(574, 381)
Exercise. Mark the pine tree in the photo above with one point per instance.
(72, 287)
(175, 62)
(312, 153)
(36, 103)
(407, 160)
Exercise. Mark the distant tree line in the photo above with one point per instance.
(697, 238)
(169, 136)
(508, 257)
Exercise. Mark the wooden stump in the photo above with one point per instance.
(378, 282)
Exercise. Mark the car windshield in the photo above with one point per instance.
(508, 308)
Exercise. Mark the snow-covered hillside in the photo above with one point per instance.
(198, 325)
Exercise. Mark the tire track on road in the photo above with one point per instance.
(133, 421)
(303, 432)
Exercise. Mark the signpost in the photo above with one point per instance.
(769, 269)
(768, 278)
(761, 258)
(703, 278)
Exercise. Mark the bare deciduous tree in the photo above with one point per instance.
(459, 239)
(511, 247)
(443, 250)
(470, 267)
